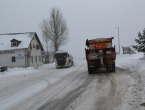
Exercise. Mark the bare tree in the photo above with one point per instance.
(55, 29)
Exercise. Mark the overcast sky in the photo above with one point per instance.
(86, 19)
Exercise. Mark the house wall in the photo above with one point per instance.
(21, 56)
(6, 58)
(35, 52)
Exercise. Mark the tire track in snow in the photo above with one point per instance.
(38, 79)
(57, 102)
(61, 104)
(21, 96)
(22, 86)
(52, 90)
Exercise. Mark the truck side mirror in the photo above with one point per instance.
(68, 55)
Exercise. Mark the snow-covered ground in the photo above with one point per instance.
(8, 99)
(23, 71)
(133, 63)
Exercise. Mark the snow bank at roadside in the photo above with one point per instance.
(133, 62)
(21, 71)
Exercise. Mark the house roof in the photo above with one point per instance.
(25, 38)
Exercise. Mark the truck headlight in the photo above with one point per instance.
(66, 63)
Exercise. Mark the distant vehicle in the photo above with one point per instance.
(63, 59)
(100, 55)
(3, 68)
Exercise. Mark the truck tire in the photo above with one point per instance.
(89, 70)
(113, 68)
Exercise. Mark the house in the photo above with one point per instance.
(20, 50)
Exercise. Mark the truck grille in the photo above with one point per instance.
(61, 62)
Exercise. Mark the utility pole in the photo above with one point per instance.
(118, 40)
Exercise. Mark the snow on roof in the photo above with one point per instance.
(25, 38)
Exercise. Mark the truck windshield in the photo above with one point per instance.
(61, 55)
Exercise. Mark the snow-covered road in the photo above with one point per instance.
(66, 88)
(48, 88)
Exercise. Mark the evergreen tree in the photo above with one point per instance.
(141, 42)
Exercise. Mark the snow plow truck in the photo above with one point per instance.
(100, 55)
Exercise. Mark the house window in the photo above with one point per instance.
(31, 59)
(14, 44)
(35, 59)
(13, 59)
(39, 58)
(33, 38)
(37, 46)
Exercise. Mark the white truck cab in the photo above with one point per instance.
(63, 59)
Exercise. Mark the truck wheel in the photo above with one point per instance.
(113, 68)
(89, 70)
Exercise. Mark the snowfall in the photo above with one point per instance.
(131, 62)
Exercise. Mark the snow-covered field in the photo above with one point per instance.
(133, 63)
